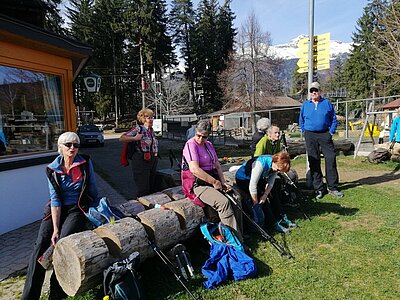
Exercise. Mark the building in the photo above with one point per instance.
(37, 69)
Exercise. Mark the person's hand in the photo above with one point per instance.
(226, 187)
(54, 237)
(255, 202)
(217, 185)
(263, 199)
(139, 136)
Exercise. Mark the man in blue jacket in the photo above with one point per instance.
(318, 122)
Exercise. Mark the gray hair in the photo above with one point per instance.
(67, 137)
(269, 130)
(263, 124)
(203, 126)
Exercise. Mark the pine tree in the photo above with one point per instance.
(53, 20)
(80, 14)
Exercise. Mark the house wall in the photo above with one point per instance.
(23, 189)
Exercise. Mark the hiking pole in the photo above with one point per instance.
(173, 157)
(290, 181)
(171, 267)
(264, 234)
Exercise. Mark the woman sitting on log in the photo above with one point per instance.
(202, 177)
(72, 187)
(256, 178)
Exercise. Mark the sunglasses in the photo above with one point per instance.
(202, 136)
(69, 145)
(314, 90)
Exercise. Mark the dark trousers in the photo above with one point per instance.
(72, 221)
(315, 140)
(144, 174)
(273, 209)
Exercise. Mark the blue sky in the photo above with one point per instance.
(287, 19)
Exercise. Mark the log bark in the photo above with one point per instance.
(175, 193)
(124, 237)
(79, 260)
(157, 198)
(189, 215)
(297, 148)
(132, 207)
(162, 226)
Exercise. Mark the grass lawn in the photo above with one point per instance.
(349, 250)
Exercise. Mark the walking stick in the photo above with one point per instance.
(263, 233)
(303, 198)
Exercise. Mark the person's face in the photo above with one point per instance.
(148, 121)
(274, 134)
(70, 149)
(275, 167)
(315, 94)
(201, 137)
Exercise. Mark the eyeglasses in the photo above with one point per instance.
(147, 117)
(69, 145)
(314, 90)
(202, 136)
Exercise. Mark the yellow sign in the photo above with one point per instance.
(321, 51)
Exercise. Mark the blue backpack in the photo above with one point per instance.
(220, 234)
(103, 213)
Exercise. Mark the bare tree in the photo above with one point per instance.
(252, 73)
(387, 43)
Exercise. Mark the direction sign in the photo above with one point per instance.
(321, 51)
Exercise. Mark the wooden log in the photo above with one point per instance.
(157, 198)
(297, 148)
(175, 193)
(124, 237)
(132, 207)
(162, 226)
(189, 215)
(79, 260)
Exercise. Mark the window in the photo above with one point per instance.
(31, 111)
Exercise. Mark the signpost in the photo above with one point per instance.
(320, 57)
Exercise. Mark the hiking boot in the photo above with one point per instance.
(287, 223)
(336, 193)
(319, 195)
(279, 228)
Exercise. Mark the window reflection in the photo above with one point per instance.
(31, 111)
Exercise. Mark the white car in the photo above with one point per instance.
(90, 135)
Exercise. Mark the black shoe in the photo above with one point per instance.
(319, 195)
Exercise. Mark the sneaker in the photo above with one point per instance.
(287, 223)
(319, 195)
(278, 227)
(336, 193)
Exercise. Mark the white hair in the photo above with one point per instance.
(263, 124)
(67, 137)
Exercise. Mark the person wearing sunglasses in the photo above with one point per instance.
(318, 122)
(203, 179)
(72, 187)
(256, 178)
(145, 153)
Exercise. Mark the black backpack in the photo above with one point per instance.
(133, 146)
(122, 282)
(379, 155)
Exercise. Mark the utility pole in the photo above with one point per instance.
(143, 81)
(115, 84)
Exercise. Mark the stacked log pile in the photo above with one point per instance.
(80, 259)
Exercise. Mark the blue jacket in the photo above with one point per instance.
(395, 130)
(266, 162)
(70, 185)
(226, 263)
(318, 118)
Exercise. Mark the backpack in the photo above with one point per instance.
(133, 146)
(103, 213)
(220, 234)
(121, 281)
(379, 155)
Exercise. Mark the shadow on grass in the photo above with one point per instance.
(372, 180)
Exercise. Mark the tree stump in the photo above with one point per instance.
(124, 237)
(79, 260)
(157, 198)
(162, 226)
(189, 216)
(175, 193)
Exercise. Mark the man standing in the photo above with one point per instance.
(318, 122)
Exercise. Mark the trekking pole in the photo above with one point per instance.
(263, 233)
(290, 181)
(173, 157)
(171, 267)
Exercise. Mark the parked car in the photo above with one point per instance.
(90, 135)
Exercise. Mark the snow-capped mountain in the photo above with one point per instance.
(289, 50)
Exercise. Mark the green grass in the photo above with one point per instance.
(349, 250)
